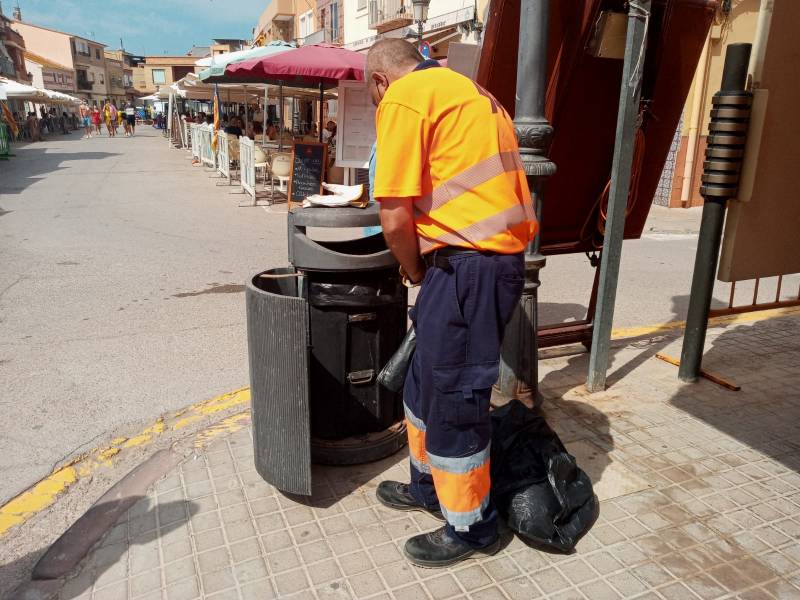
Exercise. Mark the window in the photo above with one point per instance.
(97, 54)
(82, 48)
(334, 22)
(307, 23)
(102, 79)
(159, 76)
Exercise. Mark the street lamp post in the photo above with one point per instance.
(420, 15)
(518, 367)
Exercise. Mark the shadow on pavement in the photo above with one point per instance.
(331, 483)
(764, 415)
(131, 530)
(32, 163)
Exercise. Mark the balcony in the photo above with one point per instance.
(85, 84)
(323, 35)
(386, 15)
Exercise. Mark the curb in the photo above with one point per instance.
(624, 333)
(70, 548)
(43, 494)
(66, 552)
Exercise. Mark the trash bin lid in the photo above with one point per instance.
(325, 216)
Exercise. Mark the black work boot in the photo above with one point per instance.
(396, 495)
(440, 549)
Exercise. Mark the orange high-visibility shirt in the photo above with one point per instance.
(445, 142)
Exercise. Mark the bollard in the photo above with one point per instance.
(730, 116)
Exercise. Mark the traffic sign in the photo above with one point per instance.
(425, 50)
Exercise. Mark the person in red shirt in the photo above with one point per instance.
(96, 119)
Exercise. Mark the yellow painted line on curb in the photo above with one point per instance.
(43, 494)
(738, 319)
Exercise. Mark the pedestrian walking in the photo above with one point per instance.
(112, 112)
(96, 119)
(86, 119)
(130, 118)
(108, 119)
(457, 214)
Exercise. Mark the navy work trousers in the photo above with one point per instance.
(460, 316)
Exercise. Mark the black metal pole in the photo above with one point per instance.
(518, 367)
(727, 135)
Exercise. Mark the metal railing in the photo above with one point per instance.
(223, 156)
(389, 14)
(195, 141)
(754, 302)
(247, 165)
(207, 155)
(323, 35)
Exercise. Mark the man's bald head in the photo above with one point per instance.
(392, 56)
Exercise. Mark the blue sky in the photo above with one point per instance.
(145, 26)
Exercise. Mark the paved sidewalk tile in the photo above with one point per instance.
(699, 486)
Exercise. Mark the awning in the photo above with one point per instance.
(216, 68)
(311, 65)
(14, 90)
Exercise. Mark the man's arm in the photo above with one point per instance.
(397, 220)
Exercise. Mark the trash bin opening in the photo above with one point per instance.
(356, 247)
(282, 282)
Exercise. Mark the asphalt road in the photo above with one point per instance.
(121, 291)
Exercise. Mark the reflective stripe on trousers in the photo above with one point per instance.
(460, 316)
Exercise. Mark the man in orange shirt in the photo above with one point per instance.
(457, 214)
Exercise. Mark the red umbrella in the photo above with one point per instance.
(312, 64)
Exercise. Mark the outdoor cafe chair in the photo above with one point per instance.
(280, 169)
(262, 162)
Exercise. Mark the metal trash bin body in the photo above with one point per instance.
(314, 392)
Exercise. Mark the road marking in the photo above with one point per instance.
(727, 320)
(44, 493)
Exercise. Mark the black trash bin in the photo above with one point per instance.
(318, 334)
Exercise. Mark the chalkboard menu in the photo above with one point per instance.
(309, 160)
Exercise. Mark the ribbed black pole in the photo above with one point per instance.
(727, 136)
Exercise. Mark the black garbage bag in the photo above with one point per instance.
(536, 484)
(393, 374)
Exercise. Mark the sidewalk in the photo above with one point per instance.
(699, 487)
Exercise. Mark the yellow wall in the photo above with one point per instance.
(740, 26)
(52, 45)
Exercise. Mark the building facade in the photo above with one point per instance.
(12, 52)
(736, 22)
(128, 62)
(160, 71)
(49, 75)
(83, 56)
(330, 20)
(276, 23)
(365, 21)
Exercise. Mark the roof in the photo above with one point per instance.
(80, 37)
(199, 51)
(45, 62)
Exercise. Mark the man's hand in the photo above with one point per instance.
(397, 220)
